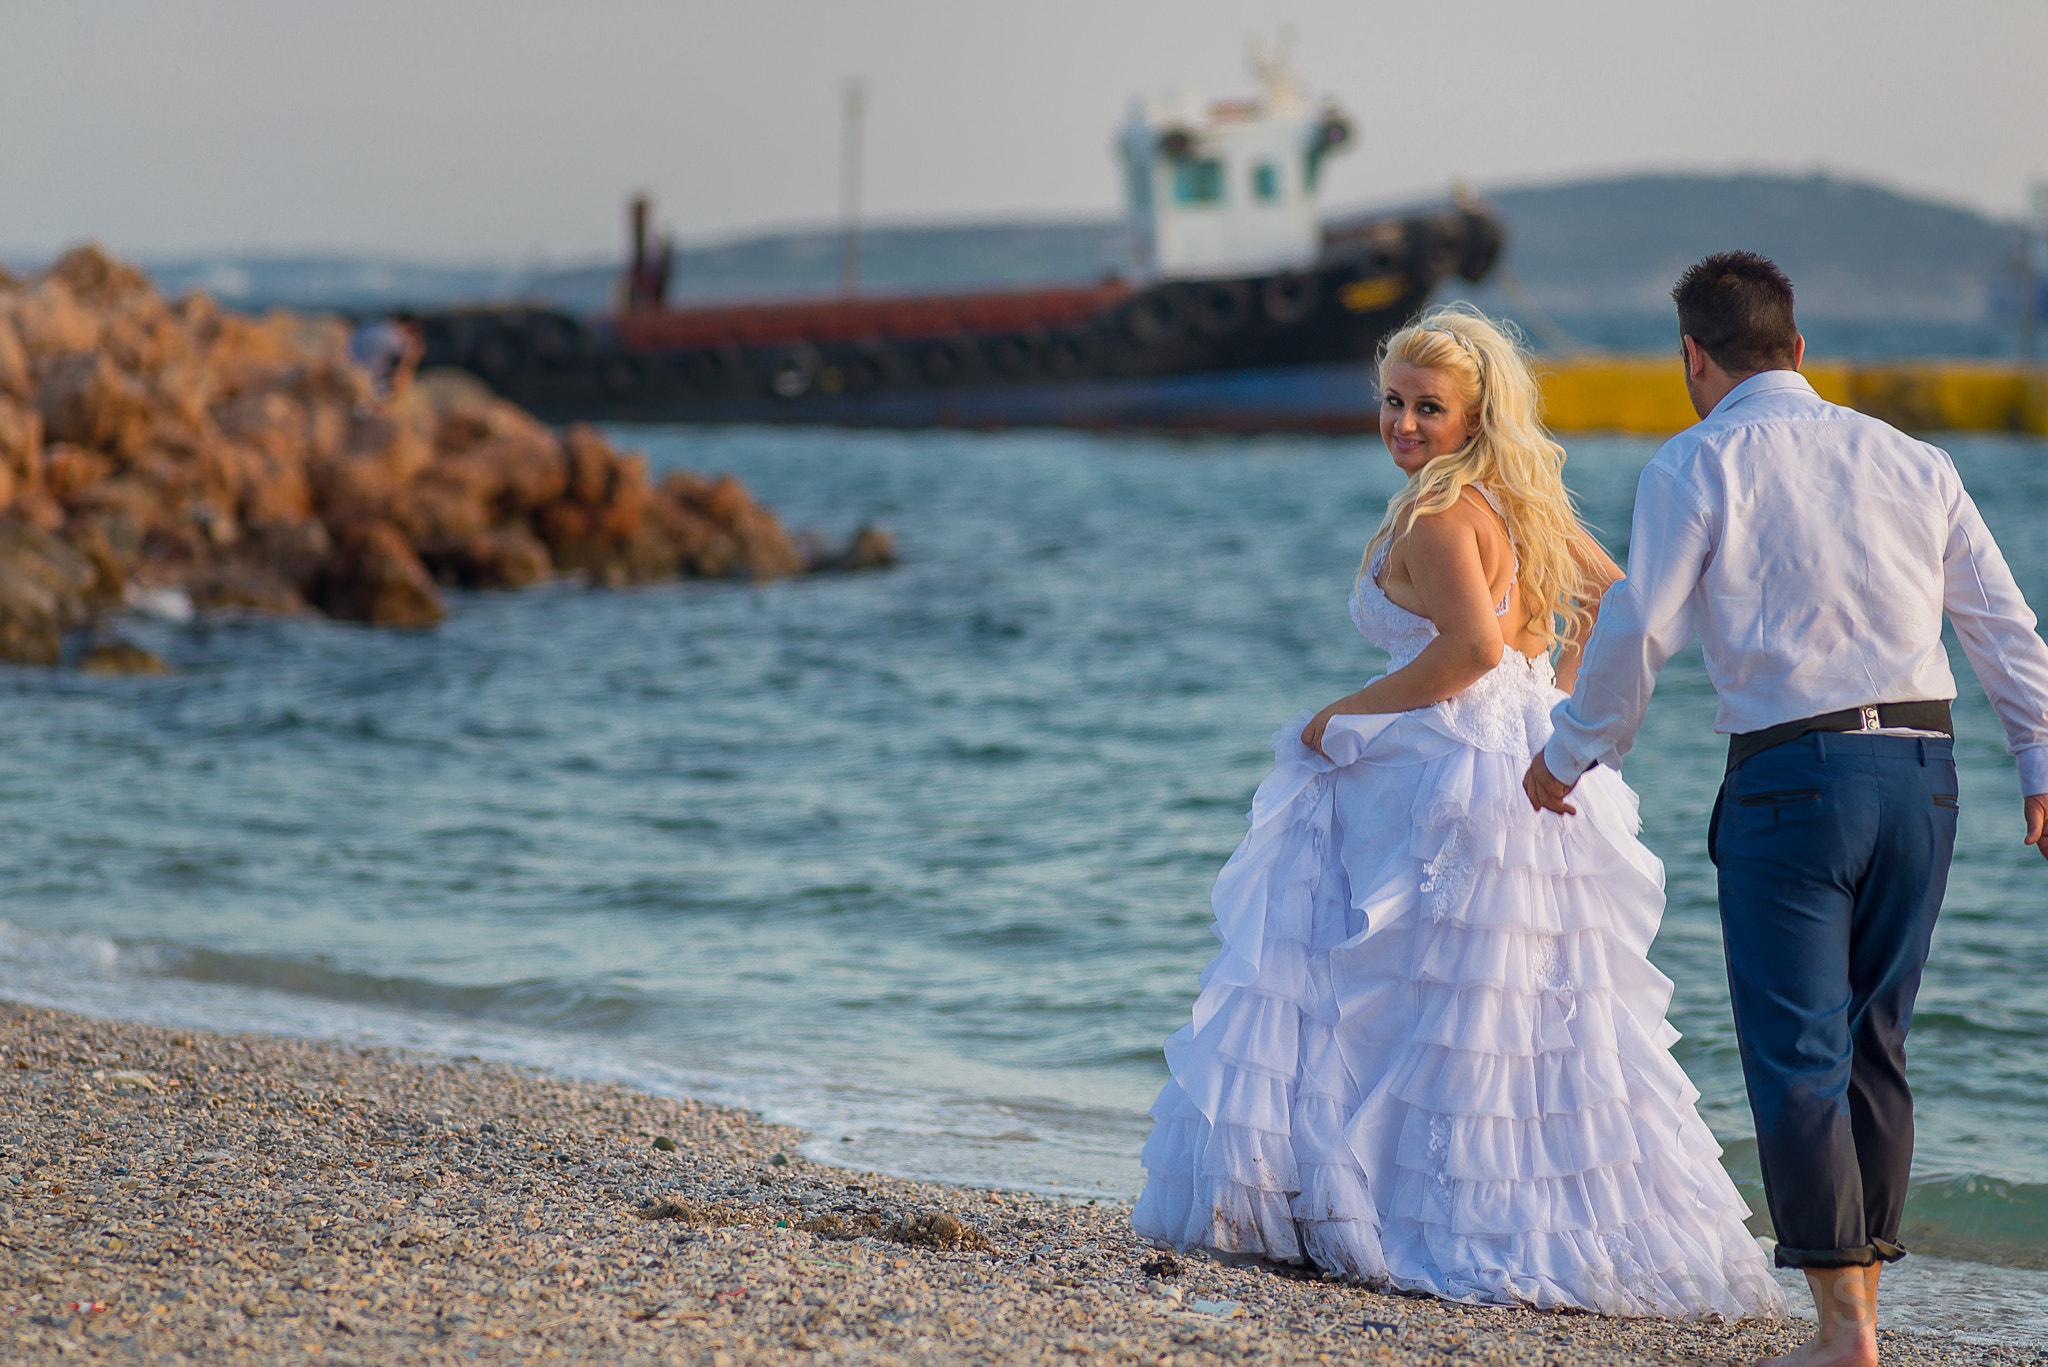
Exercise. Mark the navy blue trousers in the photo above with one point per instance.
(1833, 853)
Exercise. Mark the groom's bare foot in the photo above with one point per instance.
(1845, 1299)
(1847, 1348)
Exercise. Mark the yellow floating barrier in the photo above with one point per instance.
(1646, 394)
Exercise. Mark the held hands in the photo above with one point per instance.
(2037, 822)
(1547, 792)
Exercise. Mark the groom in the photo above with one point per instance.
(1813, 551)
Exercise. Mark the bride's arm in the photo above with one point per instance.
(1442, 554)
(1599, 567)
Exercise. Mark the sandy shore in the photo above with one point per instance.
(174, 1196)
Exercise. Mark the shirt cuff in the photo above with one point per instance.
(1565, 769)
(2033, 762)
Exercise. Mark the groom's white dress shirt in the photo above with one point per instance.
(1813, 551)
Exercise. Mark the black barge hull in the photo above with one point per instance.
(1260, 352)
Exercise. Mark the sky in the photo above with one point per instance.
(513, 130)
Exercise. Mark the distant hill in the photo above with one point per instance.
(1854, 250)
(1598, 255)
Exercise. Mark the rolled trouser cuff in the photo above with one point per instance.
(1863, 1255)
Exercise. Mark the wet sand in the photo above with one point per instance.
(174, 1196)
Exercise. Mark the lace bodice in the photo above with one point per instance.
(1394, 629)
(1485, 713)
(1386, 623)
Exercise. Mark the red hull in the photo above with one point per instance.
(851, 320)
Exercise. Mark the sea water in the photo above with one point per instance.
(916, 859)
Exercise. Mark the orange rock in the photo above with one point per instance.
(297, 549)
(35, 508)
(184, 389)
(52, 322)
(21, 443)
(248, 585)
(566, 530)
(766, 551)
(246, 460)
(248, 355)
(532, 470)
(626, 507)
(199, 314)
(434, 514)
(97, 279)
(591, 464)
(327, 428)
(17, 377)
(43, 586)
(121, 657)
(373, 576)
(271, 488)
(86, 399)
(503, 558)
(726, 501)
(274, 422)
(380, 457)
(69, 471)
(111, 538)
(467, 413)
(475, 476)
(871, 548)
(142, 337)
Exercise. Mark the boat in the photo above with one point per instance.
(1240, 310)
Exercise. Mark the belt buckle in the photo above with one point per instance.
(1870, 719)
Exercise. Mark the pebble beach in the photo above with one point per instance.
(174, 1196)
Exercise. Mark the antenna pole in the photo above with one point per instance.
(854, 113)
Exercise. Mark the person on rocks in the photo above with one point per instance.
(1814, 552)
(389, 349)
(1432, 1053)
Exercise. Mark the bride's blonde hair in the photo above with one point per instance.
(1511, 454)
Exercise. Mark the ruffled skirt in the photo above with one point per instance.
(1432, 1052)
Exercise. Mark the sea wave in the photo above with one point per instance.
(1971, 1217)
(533, 1003)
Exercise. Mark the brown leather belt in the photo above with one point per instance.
(1916, 716)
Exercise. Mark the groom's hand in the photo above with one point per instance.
(2037, 822)
(1547, 792)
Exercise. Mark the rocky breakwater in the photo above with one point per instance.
(151, 445)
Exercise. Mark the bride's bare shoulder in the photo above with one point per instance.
(1467, 523)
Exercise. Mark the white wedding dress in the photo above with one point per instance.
(1432, 1052)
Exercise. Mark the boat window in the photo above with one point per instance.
(1198, 180)
(1265, 182)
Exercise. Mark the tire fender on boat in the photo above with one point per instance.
(714, 370)
(871, 365)
(1074, 352)
(1016, 354)
(500, 352)
(945, 360)
(622, 376)
(1288, 297)
(1158, 317)
(792, 370)
(1222, 307)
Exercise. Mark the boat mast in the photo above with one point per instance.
(854, 111)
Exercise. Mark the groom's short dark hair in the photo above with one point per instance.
(1738, 307)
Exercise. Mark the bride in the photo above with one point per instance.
(1432, 1052)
